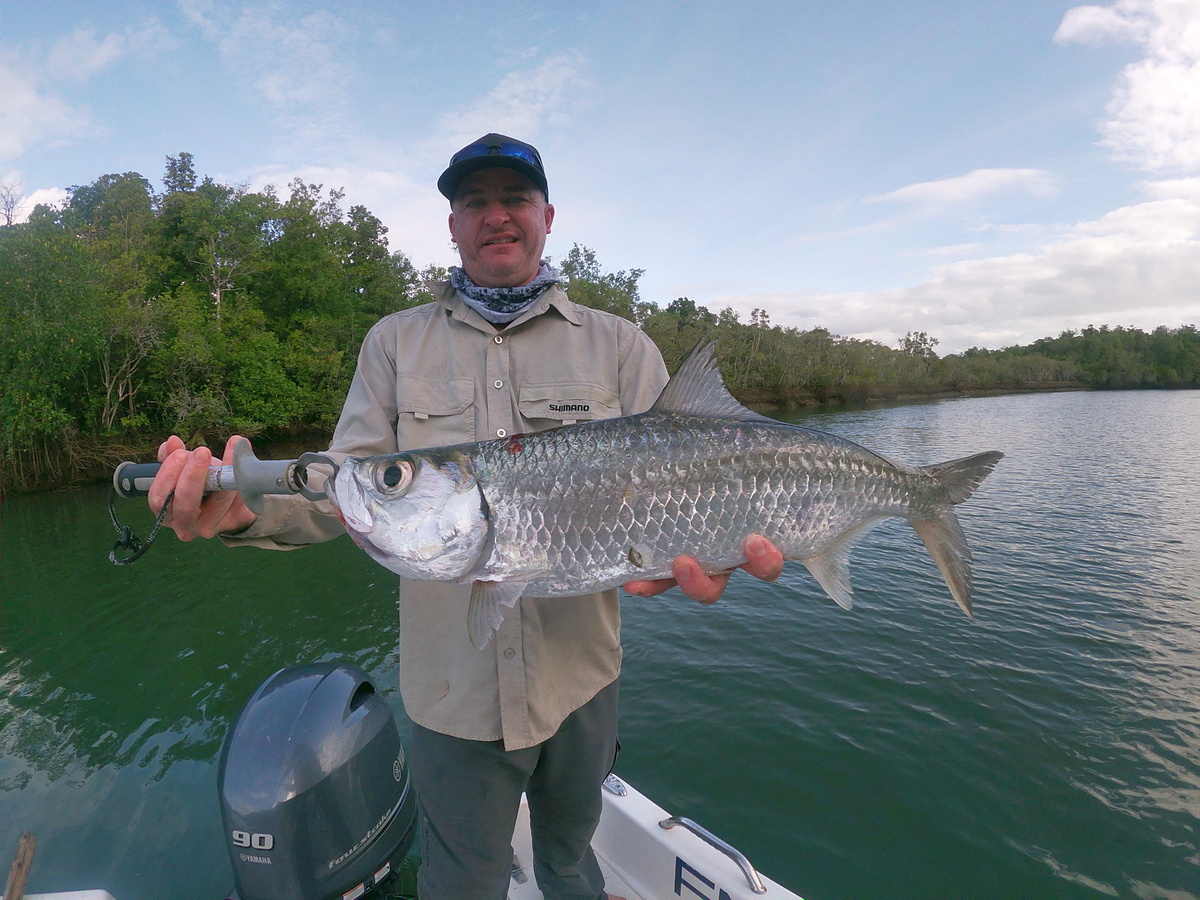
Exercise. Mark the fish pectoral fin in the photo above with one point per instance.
(832, 571)
(484, 615)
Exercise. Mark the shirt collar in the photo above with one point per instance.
(554, 296)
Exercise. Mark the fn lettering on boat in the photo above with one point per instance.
(694, 891)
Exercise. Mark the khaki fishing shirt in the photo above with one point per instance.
(441, 374)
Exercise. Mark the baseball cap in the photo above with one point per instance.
(493, 150)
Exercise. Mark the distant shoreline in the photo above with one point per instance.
(876, 400)
(106, 458)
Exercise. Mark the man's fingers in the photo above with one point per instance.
(213, 512)
(763, 560)
(693, 582)
(184, 514)
(169, 446)
(649, 588)
(170, 467)
(230, 446)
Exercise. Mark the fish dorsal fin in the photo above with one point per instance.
(697, 389)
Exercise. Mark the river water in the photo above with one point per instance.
(1047, 748)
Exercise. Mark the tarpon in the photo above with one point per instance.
(596, 504)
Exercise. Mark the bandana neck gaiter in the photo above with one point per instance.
(501, 305)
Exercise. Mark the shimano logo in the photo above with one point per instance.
(569, 407)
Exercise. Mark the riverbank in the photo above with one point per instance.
(877, 399)
(94, 463)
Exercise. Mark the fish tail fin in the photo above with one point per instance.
(961, 477)
(941, 534)
(944, 539)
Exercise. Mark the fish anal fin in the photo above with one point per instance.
(944, 539)
(832, 568)
(484, 614)
(832, 571)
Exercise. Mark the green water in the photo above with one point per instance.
(1049, 747)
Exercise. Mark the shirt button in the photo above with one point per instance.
(498, 339)
(497, 384)
(500, 432)
(510, 653)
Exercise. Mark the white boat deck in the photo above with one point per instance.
(641, 860)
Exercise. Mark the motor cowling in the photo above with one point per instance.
(315, 793)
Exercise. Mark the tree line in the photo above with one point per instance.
(206, 309)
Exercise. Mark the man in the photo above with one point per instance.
(501, 351)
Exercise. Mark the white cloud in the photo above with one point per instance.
(970, 187)
(30, 114)
(1154, 115)
(1138, 266)
(409, 207)
(1187, 188)
(54, 196)
(296, 63)
(301, 66)
(524, 103)
(81, 54)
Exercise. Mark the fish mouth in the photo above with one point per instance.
(347, 499)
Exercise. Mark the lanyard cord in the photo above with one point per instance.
(128, 540)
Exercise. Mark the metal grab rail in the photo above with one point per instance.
(752, 876)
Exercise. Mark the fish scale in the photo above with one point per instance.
(564, 504)
(589, 506)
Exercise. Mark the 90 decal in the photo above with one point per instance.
(253, 841)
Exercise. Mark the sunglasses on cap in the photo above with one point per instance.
(504, 148)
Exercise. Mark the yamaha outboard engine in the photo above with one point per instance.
(314, 788)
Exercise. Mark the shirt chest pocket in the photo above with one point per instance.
(567, 402)
(432, 412)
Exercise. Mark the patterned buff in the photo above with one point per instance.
(501, 305)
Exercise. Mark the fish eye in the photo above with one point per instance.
(393, 477)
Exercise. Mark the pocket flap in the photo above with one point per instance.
(434, 396)
(568, 401)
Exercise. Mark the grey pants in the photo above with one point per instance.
(469, 793)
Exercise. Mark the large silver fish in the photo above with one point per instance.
(590, 506)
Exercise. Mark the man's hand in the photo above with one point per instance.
(192, 514)
(763, 561)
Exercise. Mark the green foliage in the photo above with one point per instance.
(1124, 357)
(614, 292)
(52, 314)
(206, 310)
(262, 395)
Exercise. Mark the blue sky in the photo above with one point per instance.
(987, 172)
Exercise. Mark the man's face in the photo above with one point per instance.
(499, 220)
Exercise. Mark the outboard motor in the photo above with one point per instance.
(314, 788)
